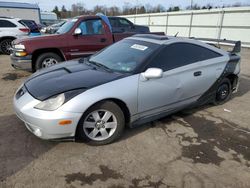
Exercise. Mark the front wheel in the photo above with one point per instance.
(5, 46)
(102, 124)
(46, 60)
(224, 92)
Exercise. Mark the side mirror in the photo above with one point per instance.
(77, 31)
(152, 73)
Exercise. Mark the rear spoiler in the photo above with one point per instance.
(236, 44)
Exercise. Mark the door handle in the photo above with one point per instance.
(103, 39)
(198, 73)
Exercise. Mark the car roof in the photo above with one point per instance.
(153, 38)
(9, 18)
(86, 16)
(165, 40)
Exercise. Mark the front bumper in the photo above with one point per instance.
(24, 63)
(44, 124)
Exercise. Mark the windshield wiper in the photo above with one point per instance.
(84, 60)
(101, 65)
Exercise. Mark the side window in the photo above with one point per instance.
(113, 22)
(6, 23)
(181, 54)
(91, 27)
(124, 22)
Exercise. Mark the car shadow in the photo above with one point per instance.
(244, 88)
(18, 147)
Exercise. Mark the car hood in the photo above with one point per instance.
(27, 39)
(67, 76)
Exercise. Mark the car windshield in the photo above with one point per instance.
(66, 27)
(124, 56)
(58, 24)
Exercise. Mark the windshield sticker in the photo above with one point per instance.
(139, 47)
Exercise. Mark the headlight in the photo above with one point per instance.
(51, 103)
(57, 101)
(19, 46)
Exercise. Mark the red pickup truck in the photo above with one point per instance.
(79, 37)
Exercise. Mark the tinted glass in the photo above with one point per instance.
(30, 24)
(5, 23)
(124, 23)
(91, 27)
(181, 54)
(125, 56)
(113, 22)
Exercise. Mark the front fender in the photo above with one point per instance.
(125, 89)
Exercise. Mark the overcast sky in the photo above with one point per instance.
(48, 5)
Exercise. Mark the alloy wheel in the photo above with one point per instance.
(6, 46)
(48, 62)
(100, 125)
(222, 92)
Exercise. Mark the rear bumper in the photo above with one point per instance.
(24, 63)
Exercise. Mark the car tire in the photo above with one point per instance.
(5, 46)
(102, 129)
(46, 60)
(223, 92)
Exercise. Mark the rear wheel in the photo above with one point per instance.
(5, 46)
(102, 124)
(224, 92)
(47, 60)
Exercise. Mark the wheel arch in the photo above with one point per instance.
(233, 80)
(118, 102)
(38, 52)
(7, 37)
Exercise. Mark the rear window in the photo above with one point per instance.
(6, 23)
(30, 24)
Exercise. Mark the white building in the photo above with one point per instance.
(20, 10)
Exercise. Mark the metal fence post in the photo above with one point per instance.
(166, 31)
(148, 20)
(221, 24)
(190, 25)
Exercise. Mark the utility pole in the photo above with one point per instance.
(191, 6)
(136, 6)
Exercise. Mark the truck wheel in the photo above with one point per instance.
(224, 92)
(5, 46)
(102, 124)
(46, 60)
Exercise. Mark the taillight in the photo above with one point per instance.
(26, 30)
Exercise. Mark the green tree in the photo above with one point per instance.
(64, 12)
(56, 10)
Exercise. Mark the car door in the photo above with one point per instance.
(92, 39)
(188, 71)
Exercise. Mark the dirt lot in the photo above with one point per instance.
(206, 147)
